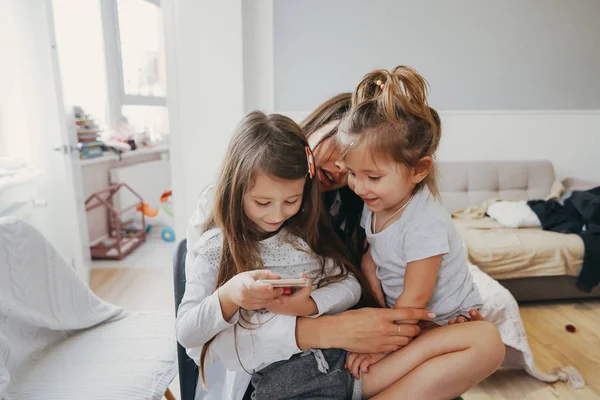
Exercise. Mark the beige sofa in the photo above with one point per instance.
(471, 183)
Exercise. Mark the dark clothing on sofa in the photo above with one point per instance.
(579, 214)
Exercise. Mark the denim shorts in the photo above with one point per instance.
(313, 374)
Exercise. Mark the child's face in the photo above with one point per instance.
(270, 201)
(383, 185)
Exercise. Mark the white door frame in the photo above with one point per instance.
(74, 201)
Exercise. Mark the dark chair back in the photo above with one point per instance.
(188, 369)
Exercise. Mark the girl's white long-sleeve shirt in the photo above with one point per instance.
(272, 337)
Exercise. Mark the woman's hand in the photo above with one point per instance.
(244, 291)
(366, 330)
(475, 315)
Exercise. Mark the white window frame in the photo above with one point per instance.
(117, 98)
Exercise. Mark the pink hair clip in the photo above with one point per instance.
(380, 84)
(311, 162)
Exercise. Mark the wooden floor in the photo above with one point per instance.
(552, 345)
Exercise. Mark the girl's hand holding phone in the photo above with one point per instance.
(246, 291)
(298, 304)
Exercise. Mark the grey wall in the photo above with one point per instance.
(476, 54)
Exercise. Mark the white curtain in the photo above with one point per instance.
(15, 88)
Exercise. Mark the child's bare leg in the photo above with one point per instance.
(440, 364)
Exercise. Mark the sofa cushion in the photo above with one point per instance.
(506, 253)
(466, 183)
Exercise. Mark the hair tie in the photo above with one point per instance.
(311, 162)
(380, 84)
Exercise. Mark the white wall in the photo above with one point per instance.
(205, 90)
(477, 55)
(257, 22)
(570, 139)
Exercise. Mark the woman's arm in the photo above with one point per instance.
(364, 330)
(194, 227)
(203, 210)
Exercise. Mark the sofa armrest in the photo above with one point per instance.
(579, 184)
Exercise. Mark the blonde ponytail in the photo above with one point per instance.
(393, 107)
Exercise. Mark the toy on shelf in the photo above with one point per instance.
(121, 240)
(162, 215)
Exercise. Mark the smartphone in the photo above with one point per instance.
(279, 283)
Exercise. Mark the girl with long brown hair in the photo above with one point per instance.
(267, 223)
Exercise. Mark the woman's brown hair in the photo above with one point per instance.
(347, 220)
(390, 116)
(333, 109)
(273, 145)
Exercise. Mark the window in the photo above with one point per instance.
(80, 49)
(151, 119)
(134, 47)
(140, 28)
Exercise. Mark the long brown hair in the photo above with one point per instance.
(273, 145)
(347, 221)
(390, 116)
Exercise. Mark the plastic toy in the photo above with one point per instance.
(132, 230)
(168, 234)
(160, 216)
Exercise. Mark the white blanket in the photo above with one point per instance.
(46, 350)
(501, 309)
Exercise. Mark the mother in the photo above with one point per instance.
(364, 330)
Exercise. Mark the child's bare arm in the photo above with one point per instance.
(369, 269)
(419, 282)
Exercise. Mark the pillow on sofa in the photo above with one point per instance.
(513, 214)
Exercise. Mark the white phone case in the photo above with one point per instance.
(298, 282)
